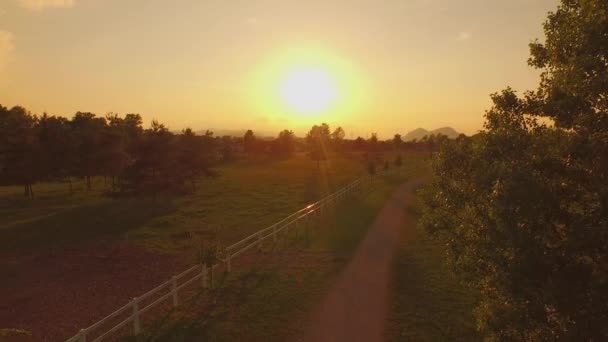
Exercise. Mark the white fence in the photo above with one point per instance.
(132, 311)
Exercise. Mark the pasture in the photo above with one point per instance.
(92, 252)
(271, 293)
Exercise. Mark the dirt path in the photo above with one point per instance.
(355, 308)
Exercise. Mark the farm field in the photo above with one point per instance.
(303, 171)
(271, 293)
(93, 252)
(245, 196)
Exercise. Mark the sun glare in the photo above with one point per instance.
(308, 90)
(307, 84)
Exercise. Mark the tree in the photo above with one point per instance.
(55, 137)
(19, 148)
(113, 155)
(337, 138)
(397, 141)
(338, 134)
(191, 157)
(249, 141)
(318, 142)
(373, 147)
(359, 143)
(319, 134)
(132, 124)
(284, 144)
(153, 167)
(88, 130)
(522, 206)
(373, 143)
(49, 148)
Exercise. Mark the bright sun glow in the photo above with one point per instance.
(308, 90)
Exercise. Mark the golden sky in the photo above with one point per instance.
(392, 65)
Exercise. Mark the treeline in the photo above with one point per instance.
(523, 205)
(321, 140)
(47, 148)
(149, 160)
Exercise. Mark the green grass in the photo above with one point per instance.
(268, 303)
(254, 303)
(428, 301)
(246, 196)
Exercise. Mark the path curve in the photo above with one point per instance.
(355, 309)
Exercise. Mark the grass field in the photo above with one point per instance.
(93, 253)
(268, 297)
(245, 196)
(428, 302)
(270, 292)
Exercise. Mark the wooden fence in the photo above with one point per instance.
(131, 312)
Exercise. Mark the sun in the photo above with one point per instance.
(308, 90)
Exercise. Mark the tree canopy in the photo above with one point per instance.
(523, 205)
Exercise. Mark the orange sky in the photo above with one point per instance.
(395, 65)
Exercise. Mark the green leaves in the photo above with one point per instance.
(524, 206)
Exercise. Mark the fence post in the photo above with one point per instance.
(274, 234)
(228, 262)
(82, 335)
(174, 290)
(135, 316)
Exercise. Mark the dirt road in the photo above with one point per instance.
(355, 308)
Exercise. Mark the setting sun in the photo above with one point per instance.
(304, 83)
(308, 90)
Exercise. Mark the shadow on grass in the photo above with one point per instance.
(429, 302)
(253, 305)
(107, 219)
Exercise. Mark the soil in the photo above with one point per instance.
(56, 293)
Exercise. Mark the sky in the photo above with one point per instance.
(374, 66)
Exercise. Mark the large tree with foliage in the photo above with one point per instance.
(249, 141)
(318, 142)
(192, 159)
(284, 144)
(88, 134)
(523, 205)
(19, 148)
(56, 139)
(337, 138)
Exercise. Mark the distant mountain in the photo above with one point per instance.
(449, 131)
(419, 133)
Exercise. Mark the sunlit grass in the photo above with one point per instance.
(245, 196)
(269, 300)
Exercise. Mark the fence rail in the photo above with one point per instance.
(135, 307)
